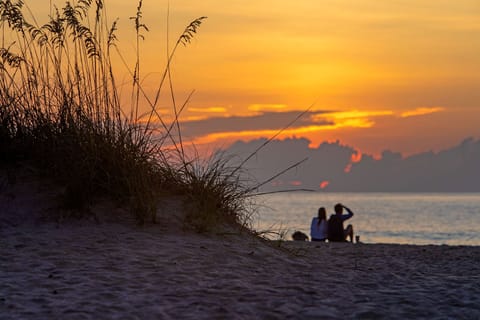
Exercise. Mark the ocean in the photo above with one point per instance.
(403, 218)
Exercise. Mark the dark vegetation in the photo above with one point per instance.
(60, 112)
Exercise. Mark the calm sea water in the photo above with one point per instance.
(407, 218)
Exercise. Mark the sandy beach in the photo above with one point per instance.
(109, 269)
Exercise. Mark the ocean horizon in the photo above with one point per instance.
(397, 218)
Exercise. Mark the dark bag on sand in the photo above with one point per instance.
(299, 236)
(335, 228)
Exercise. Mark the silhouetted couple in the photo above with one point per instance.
(333, 229)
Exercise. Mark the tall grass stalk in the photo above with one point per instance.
(60, 110)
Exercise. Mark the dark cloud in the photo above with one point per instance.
(262, 121)
(324, 163)
(451, 170)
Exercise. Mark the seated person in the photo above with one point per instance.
(336, 232)
(318, 229)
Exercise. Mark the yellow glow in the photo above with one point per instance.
(267, 107)
(209, 109)
(356, 114)
(351, 119)
(351, 123)
(259, 133)
(194, 118)
(421, 112)
(355, 123)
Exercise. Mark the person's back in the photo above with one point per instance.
(336, 232)
(335, 228)
(318, 228)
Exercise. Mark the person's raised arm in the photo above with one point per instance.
(350, 212)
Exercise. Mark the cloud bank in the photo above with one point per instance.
(341, 168)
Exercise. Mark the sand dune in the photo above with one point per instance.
(111, 270)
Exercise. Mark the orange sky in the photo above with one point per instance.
(402, 75)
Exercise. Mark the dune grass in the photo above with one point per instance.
(60, 112)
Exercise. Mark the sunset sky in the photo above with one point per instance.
(402, 75)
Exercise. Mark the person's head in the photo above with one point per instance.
(338, 208)
(322, 214)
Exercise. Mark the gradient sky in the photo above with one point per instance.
(402, 75)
